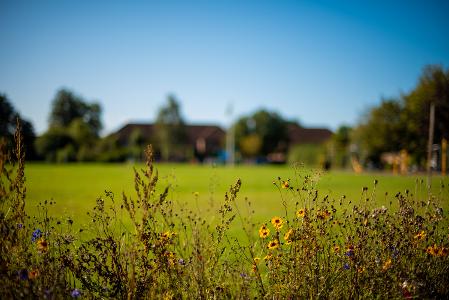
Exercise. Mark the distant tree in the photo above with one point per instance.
(433, 86)
(170, 129)
(382, 130)
(67, 107)
(269, 127)
(74, 127)
(403, 123)
(340, 142)
(8, 123)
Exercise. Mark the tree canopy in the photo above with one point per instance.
(403, 122)
(8, 123)
(170, 129)
(261, 133)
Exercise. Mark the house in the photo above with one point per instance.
(208, 140)
(299, 135)
(204, 140)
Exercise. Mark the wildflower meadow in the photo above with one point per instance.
(146, 246)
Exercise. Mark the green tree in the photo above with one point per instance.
(340, 144)
(381, 131)
(67, 107)
(171, 133)
(403, 123)
(8, 123)
(433, 87)
(269, 127)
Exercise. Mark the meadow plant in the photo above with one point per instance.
(148, 246)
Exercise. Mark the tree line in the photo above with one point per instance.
(398, 123)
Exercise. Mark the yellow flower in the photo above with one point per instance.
(288, 236)
(386, 265)
(277, 222)
(264, 232)
(256, 260)
(285, 184)
(421, 235)
(432, 250)
(361, 269)
(196, 194)
(268, 257)
(336, 248)
(273, 244)
(42, 245)
(301, 213)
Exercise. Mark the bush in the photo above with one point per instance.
(147, 246)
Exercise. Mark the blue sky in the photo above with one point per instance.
(322, 63)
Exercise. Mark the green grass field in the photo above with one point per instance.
(75, 187)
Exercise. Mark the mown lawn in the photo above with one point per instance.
(75, 187)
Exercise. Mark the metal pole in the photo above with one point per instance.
(430, 142)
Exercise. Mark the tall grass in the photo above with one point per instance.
(318, 248)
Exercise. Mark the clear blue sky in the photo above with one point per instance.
(320, 62)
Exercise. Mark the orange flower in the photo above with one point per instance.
(285, 184)
(33, 274)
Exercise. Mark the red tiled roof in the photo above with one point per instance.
(300, 135)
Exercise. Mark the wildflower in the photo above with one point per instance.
(432, 250)
(181, 262)
(196, 194)
(268, 257)
(336, 248)
(421, 235)
(19, 225)
(273, 244)
(288, 236)
(386, 265)
(285, 184)
(301, 213)
(256, 260)
(350, 251)
(36, 235)
(23, 274)
(346, 266)
(323, 214)
(277, 222)
(42, 245)
(360, 269)
(33, 274)
(264, 232)
(167, 235)
(76, 293)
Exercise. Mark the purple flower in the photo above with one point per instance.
(23, 274)
(349, 253)
(76, 293)
(19, 225)
(181, 262)
(36, 234)
(346, 267)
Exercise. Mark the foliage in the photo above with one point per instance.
(8, 118)
(67, 107)
(269, 127)
(320, 247)
(311, 155)
(403, 123)
(170, 130)
(73, 130)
